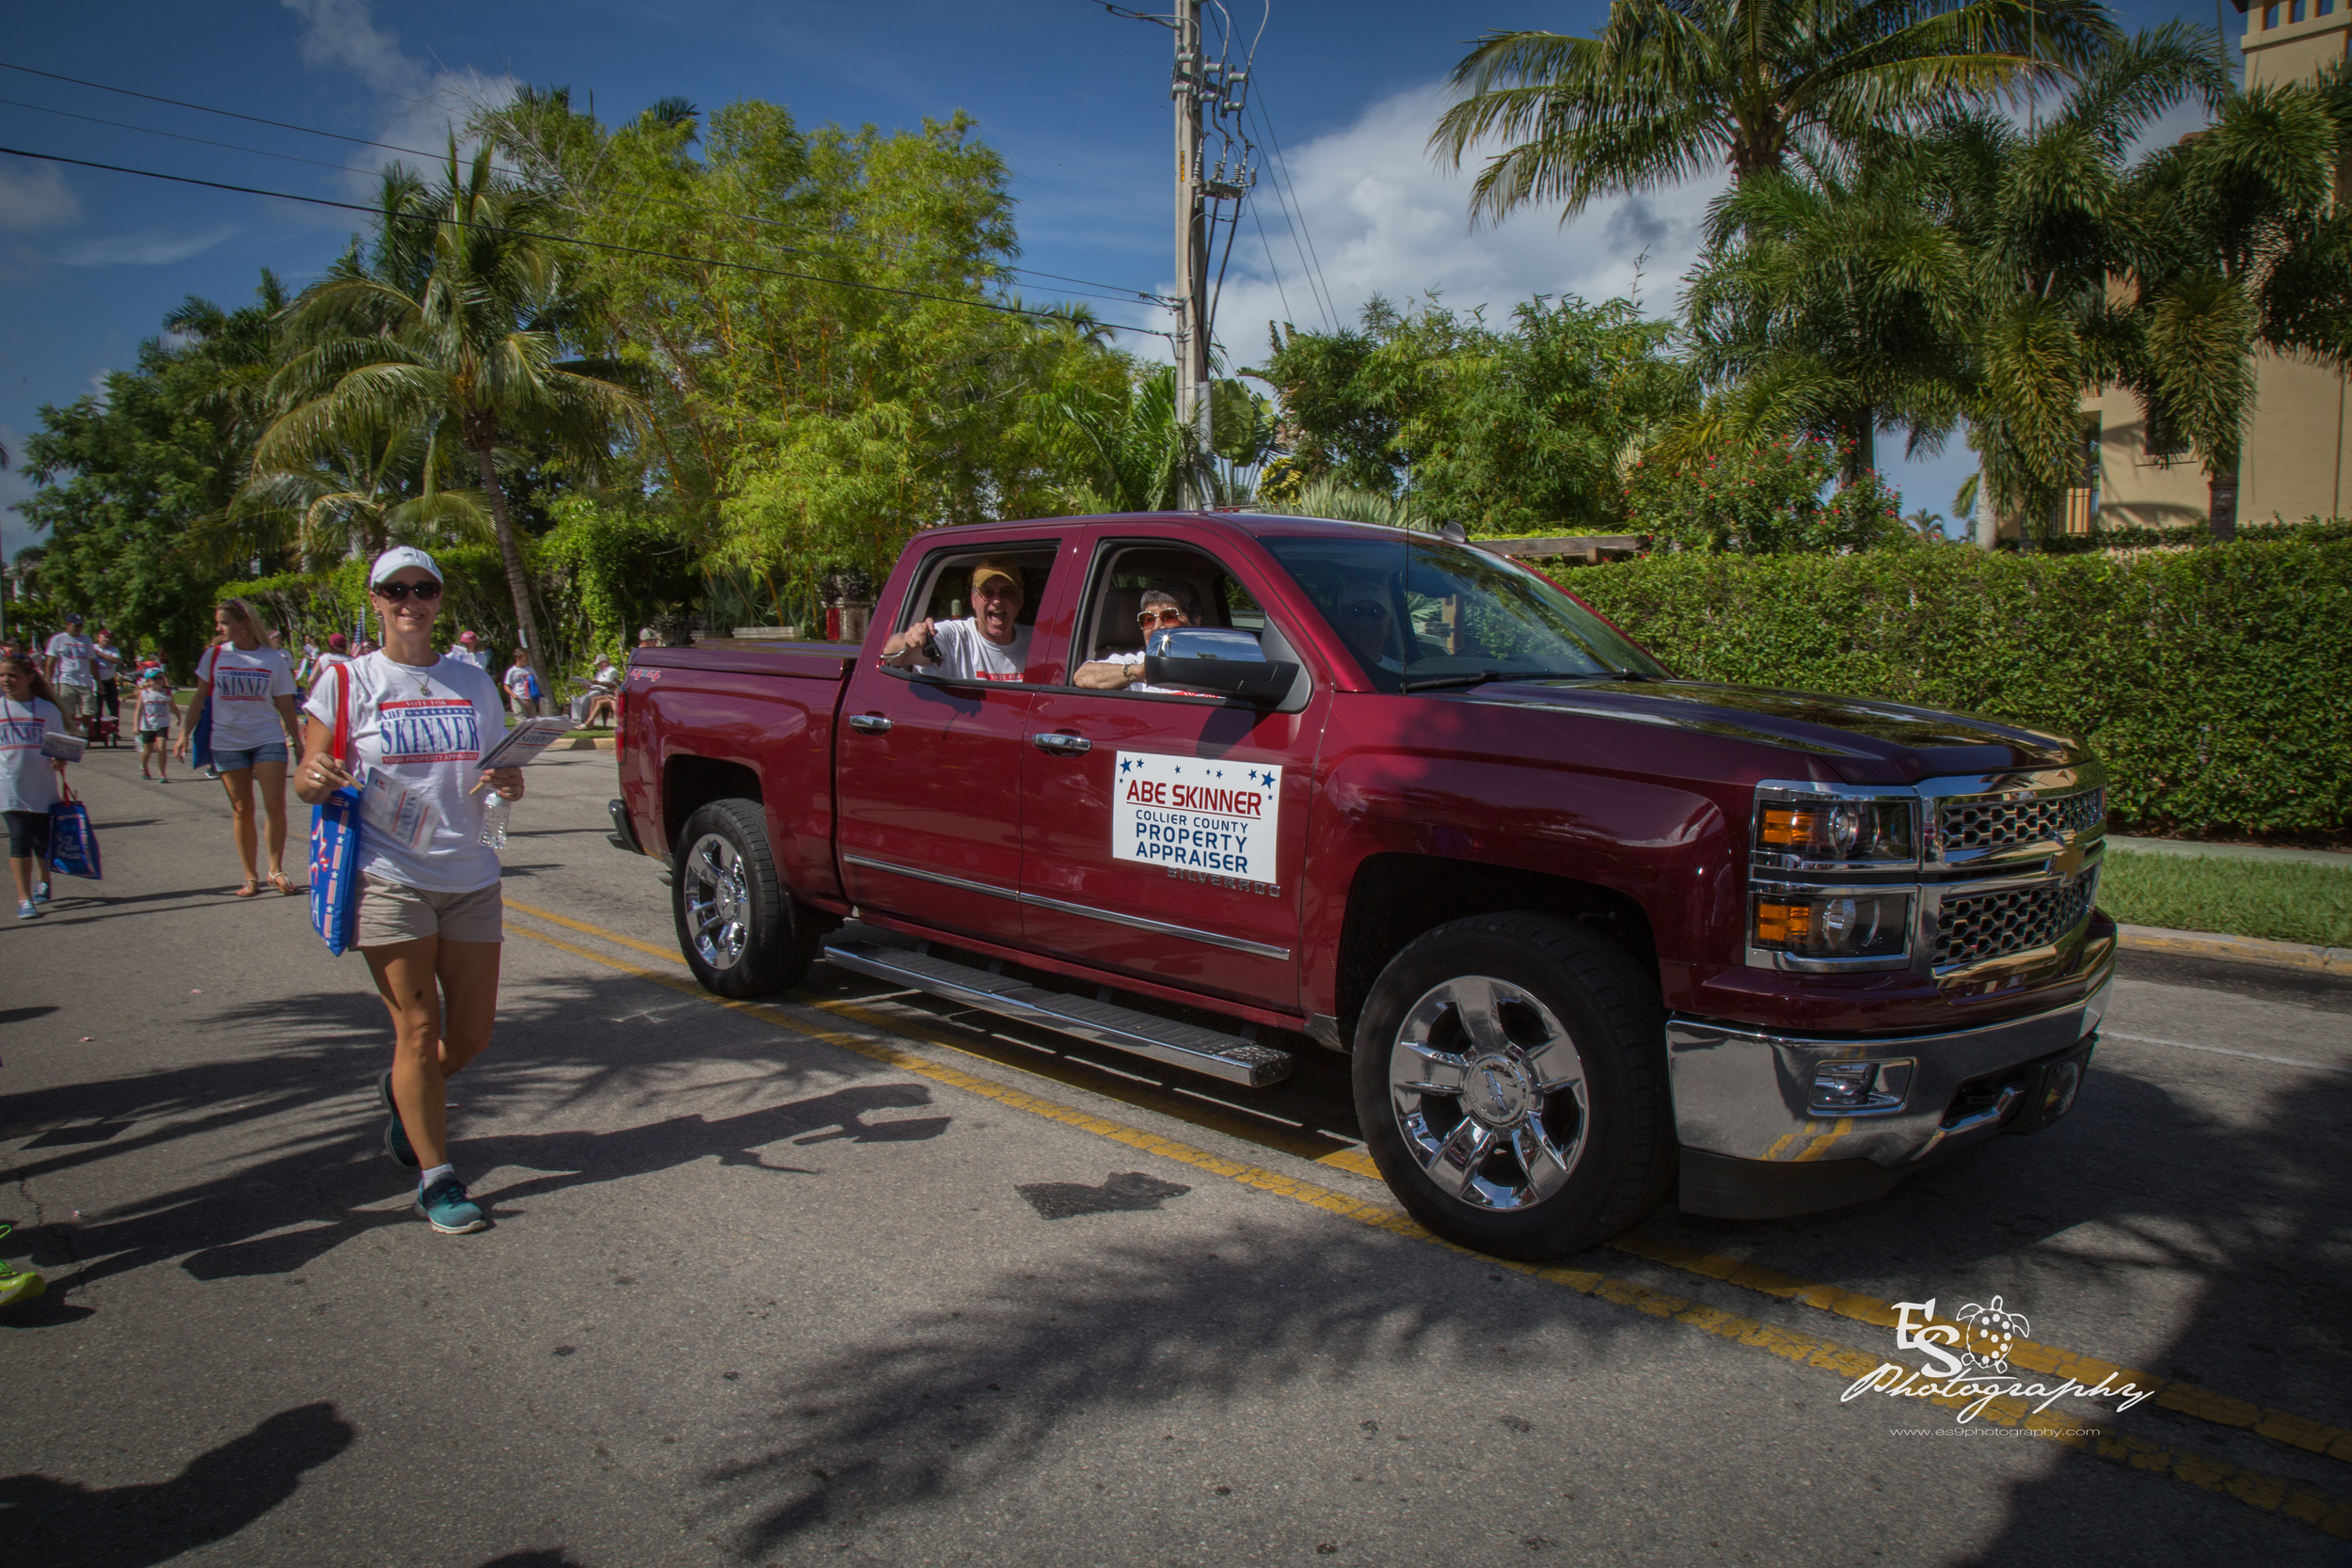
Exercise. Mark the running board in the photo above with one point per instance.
(1162, 1040)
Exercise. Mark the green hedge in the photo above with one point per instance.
(2214, 682)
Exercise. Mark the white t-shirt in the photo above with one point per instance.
(519, 680)
(156, 711)
(475, 656)
(28, 781)
(106, 659)
(423, 730)
(76, 658)
(246, 683)
(326, 661)
(964, 655)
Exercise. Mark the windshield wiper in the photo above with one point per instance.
(1464, 678)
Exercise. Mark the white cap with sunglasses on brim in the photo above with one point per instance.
(398, 555)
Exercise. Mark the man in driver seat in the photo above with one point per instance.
(1162, 611)
(989, 645)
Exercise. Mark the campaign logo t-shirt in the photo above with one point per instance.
(76, 658)
(417, 734)
(27, 782)
(246, 683)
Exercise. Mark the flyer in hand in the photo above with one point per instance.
(524, 742)
(57, 744)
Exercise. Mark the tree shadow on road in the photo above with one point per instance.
(319, 1177)
(220, 1492)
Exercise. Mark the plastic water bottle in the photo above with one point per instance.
(495, 809)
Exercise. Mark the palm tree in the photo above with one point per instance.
(456, 328)
(353, 488)
(1669, 89)
(2242, 245)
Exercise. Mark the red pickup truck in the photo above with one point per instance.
(1587, 930)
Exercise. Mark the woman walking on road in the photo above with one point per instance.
(430, 915)
(30, 782)
(252, 688)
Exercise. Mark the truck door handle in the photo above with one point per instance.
(1061, 745)
(869, 723)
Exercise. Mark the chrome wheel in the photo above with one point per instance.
(718, 902)
(1488, 1091)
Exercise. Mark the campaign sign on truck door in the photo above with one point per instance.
(1217, 818)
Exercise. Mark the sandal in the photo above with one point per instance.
(277, 880)
(252, 888)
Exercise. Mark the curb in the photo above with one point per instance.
(2213, 944)
(585, 743)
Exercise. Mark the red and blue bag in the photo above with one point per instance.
(335, 844)
(72, 842)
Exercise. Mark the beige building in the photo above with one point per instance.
(2295, 460)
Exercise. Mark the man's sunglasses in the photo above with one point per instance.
(1364, 610)
(1149, 618)
(425, 591)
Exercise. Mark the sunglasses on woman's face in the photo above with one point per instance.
(1149, 618)
(425, 592)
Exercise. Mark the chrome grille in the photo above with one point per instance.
(2004, 824)
(1995, 925)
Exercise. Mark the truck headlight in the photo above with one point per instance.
(1796, 829)
(1845, 924)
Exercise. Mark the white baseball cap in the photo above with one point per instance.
(398, 555)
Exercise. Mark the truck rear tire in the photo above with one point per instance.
(735, 922)
(1510, 1085)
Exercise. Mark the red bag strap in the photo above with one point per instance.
(343, 716)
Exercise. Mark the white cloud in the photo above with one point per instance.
(341, 33)
(35, 196)
(155, 248)
(425, 105)
(1385, 219)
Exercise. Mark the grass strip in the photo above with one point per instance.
(2281, 900)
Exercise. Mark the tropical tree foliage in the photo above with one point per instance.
(1670, 90)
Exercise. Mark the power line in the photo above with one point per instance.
(574, 240)
(1119, 291)
(1276, 172)
(1265, 119)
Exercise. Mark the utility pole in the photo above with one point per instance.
(1189, 85)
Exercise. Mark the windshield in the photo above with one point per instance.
(1426, 613)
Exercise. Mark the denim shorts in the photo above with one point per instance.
(225, 761)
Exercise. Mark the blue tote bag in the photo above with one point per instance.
(73, 843)
(335, 844)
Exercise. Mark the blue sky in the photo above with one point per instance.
(1075, 99)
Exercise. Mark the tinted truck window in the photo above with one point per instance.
(1418, 612)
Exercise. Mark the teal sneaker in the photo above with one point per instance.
(27, 910)
(17, 1285)
(450, 1210)
(396, 1142)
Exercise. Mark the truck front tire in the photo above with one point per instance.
(735, 922)
(1510, 1085)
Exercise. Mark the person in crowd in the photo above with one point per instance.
(648, 638)
(109, 661)
(72, 672)
(522, 686)
(602, 704)
(468, 650)
(251, 687)
(430, 916)
(154, 718)
(1162, 609)
(337, 652)
(30, 782)
(990, 644)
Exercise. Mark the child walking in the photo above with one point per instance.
(155, 718)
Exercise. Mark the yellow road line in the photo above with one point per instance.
(1077, 1073)
(2269, 1492)
(2205, 1404)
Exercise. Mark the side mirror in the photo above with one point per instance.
(1211, 659)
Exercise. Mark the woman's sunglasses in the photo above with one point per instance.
(425, 591)
(1149, 618)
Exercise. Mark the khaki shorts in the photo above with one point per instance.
(393, 912)
(75, 701)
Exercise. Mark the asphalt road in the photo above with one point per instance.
(853, 1278)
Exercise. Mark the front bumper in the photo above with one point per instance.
(1756, 1143)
